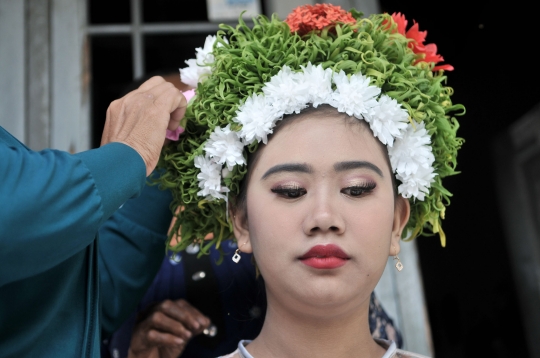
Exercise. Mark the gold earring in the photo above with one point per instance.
(399, 265)
(236, 257)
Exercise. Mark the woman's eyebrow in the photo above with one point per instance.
(292, 167)
(343, 166)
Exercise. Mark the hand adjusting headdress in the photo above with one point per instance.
(247, 79)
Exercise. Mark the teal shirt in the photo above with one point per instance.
(53, 261)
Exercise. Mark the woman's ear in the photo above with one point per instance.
(402, 210)
(241, 229)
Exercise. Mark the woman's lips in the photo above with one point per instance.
(325, 257)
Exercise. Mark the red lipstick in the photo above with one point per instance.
(325, 257)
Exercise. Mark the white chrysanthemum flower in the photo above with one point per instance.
(354, 95)
(412, 160)
(388, 120)
(416, 185)
(209, 178)
(257, 118)
(190, 75)
(226, 173)
(411, 151)
(204, 54)
(201, 66)
(287, 92)
(225, 147)
(319, 82)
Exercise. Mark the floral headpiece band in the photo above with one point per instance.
(248, 79)
(289, 92)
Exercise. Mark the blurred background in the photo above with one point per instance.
(63, 61)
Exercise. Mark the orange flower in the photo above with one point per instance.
(307, 18)
(428, 53)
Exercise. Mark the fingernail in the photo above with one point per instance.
(178, 341)
(196, 325)
(188, 334)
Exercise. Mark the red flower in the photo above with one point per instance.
(428, 52)
(401, 22)
(306, 18)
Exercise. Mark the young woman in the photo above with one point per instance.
(321, 217)
(319, 143)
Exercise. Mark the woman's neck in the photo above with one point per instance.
(287, 333)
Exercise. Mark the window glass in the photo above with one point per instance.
(109, 12)
(168, 52)
(174, 11)
(111, 72)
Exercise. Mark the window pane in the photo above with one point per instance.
(167, 53)
(109, 12)
(111, 72)
(174, 11)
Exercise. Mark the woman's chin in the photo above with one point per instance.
(326, 298)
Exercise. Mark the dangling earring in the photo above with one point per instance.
(236, 257)
(399, 265)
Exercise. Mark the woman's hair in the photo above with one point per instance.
(252, 82)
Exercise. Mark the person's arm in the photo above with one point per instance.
(131, 250)
(52, 203)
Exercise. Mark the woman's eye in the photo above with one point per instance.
(290, 193)
(358, 190)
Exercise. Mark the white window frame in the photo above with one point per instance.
(43, 73)
(137, 30)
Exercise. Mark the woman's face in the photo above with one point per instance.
(322, 218)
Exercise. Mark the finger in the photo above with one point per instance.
(171, 100)
(166, 324)
(180, 311)
(142, 97)
(194, 315)
(144, 103)
(154, 337)
(156, 91)
(176, 118)
(150, 83)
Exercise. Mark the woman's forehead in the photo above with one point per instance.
(322, 139)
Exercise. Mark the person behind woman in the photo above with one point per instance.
(357, 132)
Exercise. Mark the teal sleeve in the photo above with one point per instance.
(52, 203)
(131, 250)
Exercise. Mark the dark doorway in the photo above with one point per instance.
(470, 290)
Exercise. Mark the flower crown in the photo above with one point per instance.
(248, 79)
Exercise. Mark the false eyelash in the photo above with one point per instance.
(363, 188)
(286, 191)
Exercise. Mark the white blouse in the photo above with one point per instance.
(391, 351)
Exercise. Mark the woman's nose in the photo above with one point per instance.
(323, 217)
